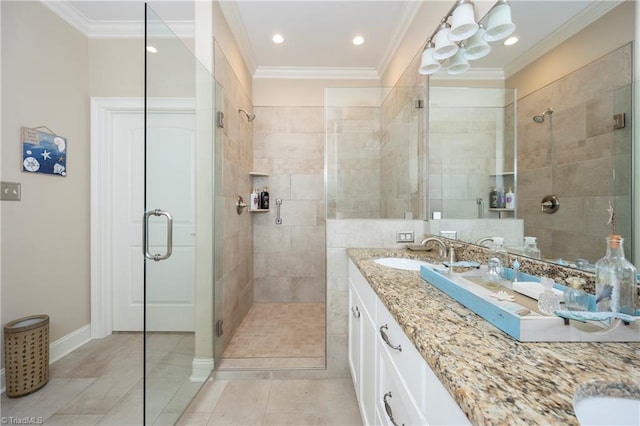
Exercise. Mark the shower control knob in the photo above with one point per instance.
(550, 204)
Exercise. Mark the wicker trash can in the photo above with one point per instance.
(26, 355)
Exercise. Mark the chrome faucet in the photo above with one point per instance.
(441, 245)
(483, 240)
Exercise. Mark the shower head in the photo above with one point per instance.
(250, 116)
(540, 118)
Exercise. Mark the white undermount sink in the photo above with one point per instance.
(601, 407)
(402, 263)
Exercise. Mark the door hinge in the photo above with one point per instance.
(219, 331)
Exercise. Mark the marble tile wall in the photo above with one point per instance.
(574, 155)
(289, 259)
(353, 162)
(237, 231)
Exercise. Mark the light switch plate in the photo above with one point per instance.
(9, 191)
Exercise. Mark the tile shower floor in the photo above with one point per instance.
(278, 336)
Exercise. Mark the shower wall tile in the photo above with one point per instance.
(290, 258)
(573, 154)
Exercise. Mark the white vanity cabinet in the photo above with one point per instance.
(394, 384)
(362, 301)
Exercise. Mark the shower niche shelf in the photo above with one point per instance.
(503, 180)
(258, 175)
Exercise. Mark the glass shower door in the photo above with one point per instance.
(178, 224)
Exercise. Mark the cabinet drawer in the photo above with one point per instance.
(394, 404)
(405, 357)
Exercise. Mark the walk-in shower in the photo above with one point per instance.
(540, 118)
(250, 116)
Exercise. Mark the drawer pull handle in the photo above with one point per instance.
(387, 408)
(386, 338)
(355, 311)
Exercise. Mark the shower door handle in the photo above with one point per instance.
(145, 235)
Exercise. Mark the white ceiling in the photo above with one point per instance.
(318, 33)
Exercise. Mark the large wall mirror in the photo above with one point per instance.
(563, 140)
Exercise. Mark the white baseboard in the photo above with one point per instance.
(201, 368)
(60, 348)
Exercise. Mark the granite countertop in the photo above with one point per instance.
(494, 378)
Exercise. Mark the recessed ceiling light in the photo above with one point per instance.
(277, 38)
(511, 41)
(152, 49)
(358, 40)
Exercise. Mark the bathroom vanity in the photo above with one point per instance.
(419, 357)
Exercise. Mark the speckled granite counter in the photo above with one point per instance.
(495, 379)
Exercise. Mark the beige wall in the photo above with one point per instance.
(606, 34)
(45, 238)
(117, 67)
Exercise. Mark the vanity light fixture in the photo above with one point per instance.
(277, 38)
(458, 64)
(464, 39)
(499, 24)
(358, 40)
(463, 21)
(429, 64)
(444, 46)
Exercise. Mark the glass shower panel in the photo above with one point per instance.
(375, 153)
(471, 150)
(179, 222)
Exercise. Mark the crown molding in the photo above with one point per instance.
(589, 15)
(112, 29)
(410, 11)
(317, 73)
(472, 74)
(239, 31)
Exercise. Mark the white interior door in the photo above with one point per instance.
(170, 167)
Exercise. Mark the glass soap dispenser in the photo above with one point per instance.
(615, 279)
(548, 302)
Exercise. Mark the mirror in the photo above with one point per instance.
(565, 141)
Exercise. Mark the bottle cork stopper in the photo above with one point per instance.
(614, 240)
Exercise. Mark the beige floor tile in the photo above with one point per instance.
(271, 330)
(243, 402)
(193, 419)
(45, 401)
(128, 411)
(73, 420)
(207, 398)
(311, 396)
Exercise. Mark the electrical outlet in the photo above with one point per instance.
(9, 191)
(404, 237)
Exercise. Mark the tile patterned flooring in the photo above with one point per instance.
(100, 383)
(278, 336)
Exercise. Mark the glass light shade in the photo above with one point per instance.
(429, 64)
(463, 22)
(476, 46)
(499, 23)
(445, 48)
(458, 64)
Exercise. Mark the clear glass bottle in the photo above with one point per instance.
(575, 298)
(499, 251)
(531, 248)
(615, 279)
